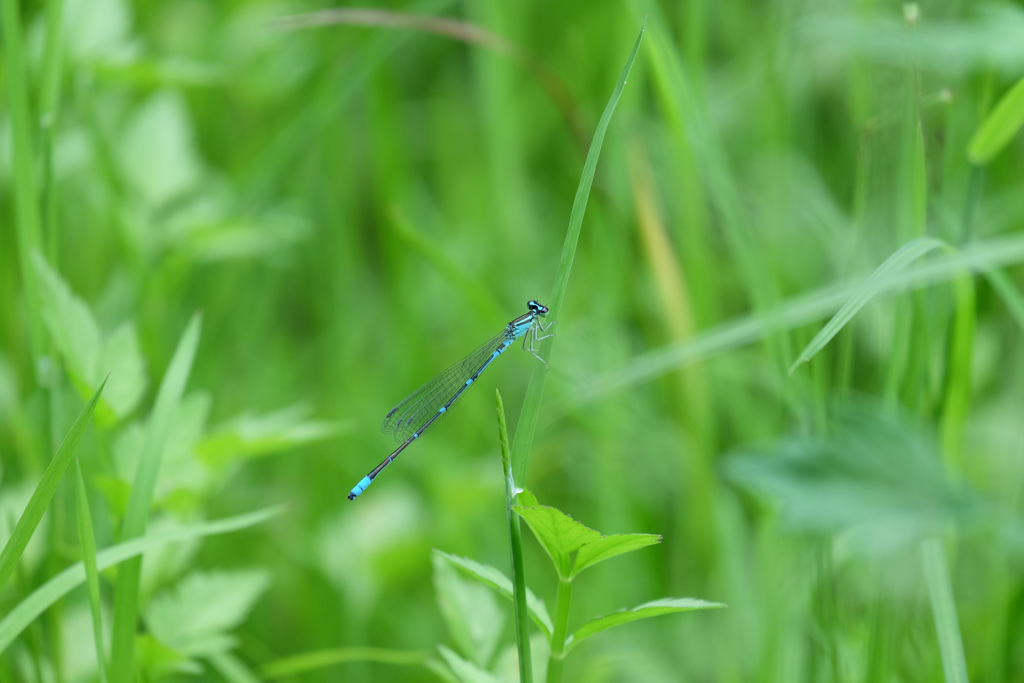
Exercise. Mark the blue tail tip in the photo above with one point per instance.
(359, 488)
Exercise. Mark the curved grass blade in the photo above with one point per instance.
(998, 127)
(126, 597)
(875, 284)
(940, 592)
(44, 491)
(28, 222)
(527, 424)
(321, 659)
(56, 588)
(648, 609)
(800, 310)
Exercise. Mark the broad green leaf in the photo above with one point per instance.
(874, 477)
(469, 610)
(195, 615)
(41, 497)
(498, 581)
(871, 287)
(88, 357)
(999, 127)
(527, 499)
(648, 609)
(157, 150)
(465, 671)
(558, 533)
(72, 326)
(122, 359)
(156, 661)
(87, 541)
(322, 659)
(126, 595)
(95, 28)
(26, 611)
(232, 668)
(252, 435)
(610, 546)
(220, 237)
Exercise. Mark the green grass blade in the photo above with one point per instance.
(44, 492)
(515, 534)
(527, 425)
(88, 544)
(960, 356)
(800, 310)
(871, 287)
(940, 593)
(126, 597)
(645, 611)
(26, 193)
(1009, 293)
(998, 127)
(321, 659)
(25, 612)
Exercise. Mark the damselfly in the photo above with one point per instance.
(425, 407)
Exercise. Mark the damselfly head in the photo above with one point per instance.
(537, 308)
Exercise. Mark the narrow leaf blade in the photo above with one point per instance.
(645, 611)
(873, 285)
(44, 492)
(998, 127)
(87, 539)
(166, 406)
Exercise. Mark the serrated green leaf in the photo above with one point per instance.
(559, 534)
(469, 610)
(527, 499)
(999, 126)
(41, 497)
(645, 611)
(71, 324)
(610, 546)
(494, 578)
(26, 611)
(122, 360)
(195, 616)
(157, 150)
(872, 286)
(157, 660)
(464, 670)
(88, 357)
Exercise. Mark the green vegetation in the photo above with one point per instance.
(786, 266)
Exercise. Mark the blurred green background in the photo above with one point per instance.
(353, 201)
